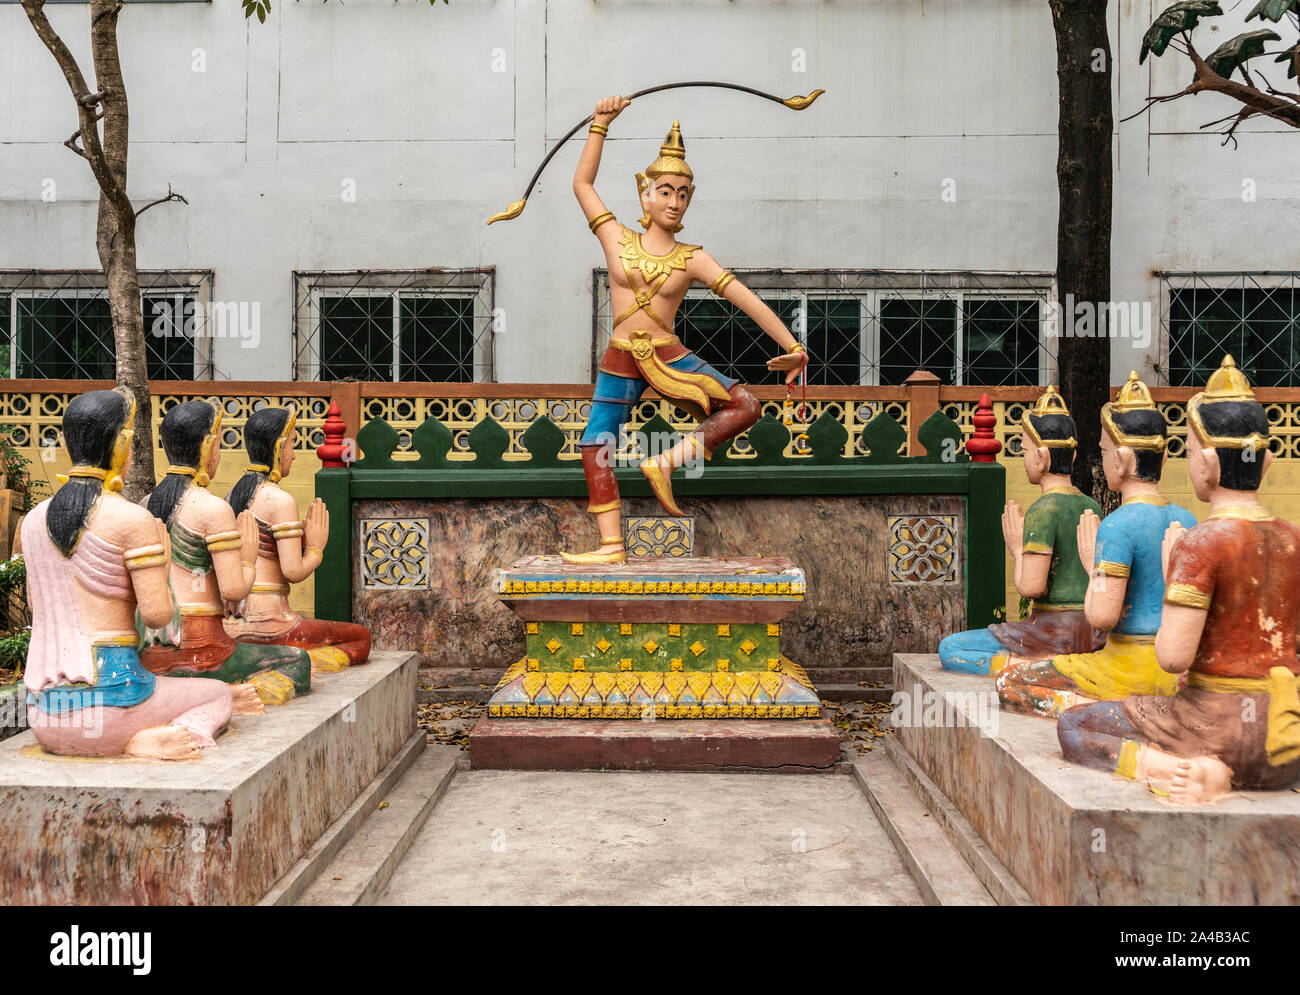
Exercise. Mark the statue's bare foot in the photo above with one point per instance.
(610, 551)
(328, 659)
(244, 700)
(1198, 781)
(163, 743)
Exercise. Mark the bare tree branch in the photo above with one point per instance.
(162, 200)
(93, 152)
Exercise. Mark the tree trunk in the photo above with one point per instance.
(115, 242)
(1084, 180)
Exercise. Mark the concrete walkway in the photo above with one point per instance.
(501, 837)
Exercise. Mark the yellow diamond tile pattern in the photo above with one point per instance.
(650, 646)
(604, 645)
(698, 647)
(554, 645)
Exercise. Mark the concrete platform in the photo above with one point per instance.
(1074, 836)
(789, 746)
(220, 830)
(539, 839)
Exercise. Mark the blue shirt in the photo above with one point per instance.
(1128, 544)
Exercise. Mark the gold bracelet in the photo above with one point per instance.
(599, 220)
(246, 563)
(599, 129)
(794, 347)
(315, 549)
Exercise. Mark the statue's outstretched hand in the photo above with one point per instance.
(791, 363)
(1086, 537)
(1172, 535)
(608, 108)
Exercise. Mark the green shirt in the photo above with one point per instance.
(1051, 525)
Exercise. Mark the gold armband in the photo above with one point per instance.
(314, 549)
(794, 347)
(286, 530)
(599, 220)
(142, 557)
(1186, 596)
(219, 542)
(599, 129)
(1036, 547)
(720, 282)
(1111, 569)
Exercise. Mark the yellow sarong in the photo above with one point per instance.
(1125, 666)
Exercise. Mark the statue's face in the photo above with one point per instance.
(1112, 463)
(1202, 467)
(286, 456)
(666, 200)
(1035, 464)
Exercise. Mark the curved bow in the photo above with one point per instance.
(795, 103)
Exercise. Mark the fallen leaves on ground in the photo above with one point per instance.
(860, 723)
(448, 722)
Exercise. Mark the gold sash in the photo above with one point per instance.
(693, 388)
(1282, 742)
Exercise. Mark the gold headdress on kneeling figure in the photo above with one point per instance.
(1051, 403)
(1227, 383)
(1133, 396)
(114, 477)
(273, 471)
(671, 162)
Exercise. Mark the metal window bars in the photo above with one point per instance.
(395, 325)
(1254, 315)
(57, 324)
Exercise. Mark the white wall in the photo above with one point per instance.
(402, 98)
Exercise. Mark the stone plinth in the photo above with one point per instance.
(686, 638)
(1075, 836)
(220, 830)
(857, 612)
(705, 745)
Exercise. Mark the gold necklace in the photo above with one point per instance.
(635, 256)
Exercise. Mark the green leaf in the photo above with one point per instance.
(1174, 20)
(1290, 56)
(261, 15)
(1273, 9)
(1225, 59)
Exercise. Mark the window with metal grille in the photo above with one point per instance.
(1255, 317)
(395, 325)
(873, 327)
(57, 325)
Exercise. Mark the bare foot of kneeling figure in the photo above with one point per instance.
(163, 743)
(244, 700)
(1204, 779)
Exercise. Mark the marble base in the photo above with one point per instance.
(709, 745)
(854, 613)
(1075, 836)
(219, 830)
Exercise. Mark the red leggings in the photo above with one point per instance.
(352, 639)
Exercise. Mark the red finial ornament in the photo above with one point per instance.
(331, 450)
(982, 446)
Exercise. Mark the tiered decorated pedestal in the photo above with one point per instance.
(671, 664)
